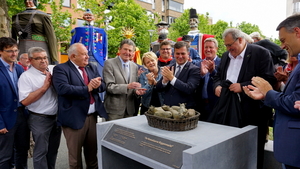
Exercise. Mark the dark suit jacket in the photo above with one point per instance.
(184, 88)
(9, 98)
(73, 95)
(257, 62)
(287, 120)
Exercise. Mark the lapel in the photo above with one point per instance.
(74, 69)
(4, 71)
(244, 66)
(184, 70)
(295, 71)
(119, 63)
(226, 65)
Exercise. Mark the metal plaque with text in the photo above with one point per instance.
(159, 149)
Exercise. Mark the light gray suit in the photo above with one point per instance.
(118, 98)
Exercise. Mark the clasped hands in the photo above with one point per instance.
(94, 83)
(259, 90)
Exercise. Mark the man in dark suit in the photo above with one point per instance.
(14, 130)
(78, 85)
(239, 64)
(206, 98)
(287, 118)
(180, 79)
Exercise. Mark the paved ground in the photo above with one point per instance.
(62, 157)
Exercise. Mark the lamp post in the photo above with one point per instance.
(151, 33)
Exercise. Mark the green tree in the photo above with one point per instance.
(128, 14)
(62, 24)
(248, 28)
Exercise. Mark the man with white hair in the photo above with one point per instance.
(238, 65)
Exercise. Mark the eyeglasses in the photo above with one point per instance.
(40, 58)
(11, 51)
(165, 49)
(229, 45)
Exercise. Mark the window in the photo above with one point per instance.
(66, 3)
(175, 6)
(80, 22)
(296, 7)
(163, 5)
(153, 4)
(149, 13)
(171, 19)
(148, 1)
(163, 18)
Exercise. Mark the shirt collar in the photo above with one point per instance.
(6, 64)
(126, 63)
(181, 65)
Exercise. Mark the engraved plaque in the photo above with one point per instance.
(159, 149)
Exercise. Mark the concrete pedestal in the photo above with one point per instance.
(212, 146)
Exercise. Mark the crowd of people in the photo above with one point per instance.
(66, 98)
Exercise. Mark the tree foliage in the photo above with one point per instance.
(128, 14)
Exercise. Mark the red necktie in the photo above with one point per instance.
(86, 81)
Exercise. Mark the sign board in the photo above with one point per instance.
(159, 149)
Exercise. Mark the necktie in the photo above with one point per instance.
(178, 71)
(86, 81)
(126, 70)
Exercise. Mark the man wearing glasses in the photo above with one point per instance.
(165, 57)
(38, 95)
(238, 65)
(13, 123)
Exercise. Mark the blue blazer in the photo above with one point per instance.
(184, 88)
(73, 95)
(9, 98)
(287, 120)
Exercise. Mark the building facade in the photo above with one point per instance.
(292, 7)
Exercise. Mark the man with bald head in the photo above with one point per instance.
(78, 85)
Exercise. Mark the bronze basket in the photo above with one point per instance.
(172, 124)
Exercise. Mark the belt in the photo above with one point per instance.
(42, 115)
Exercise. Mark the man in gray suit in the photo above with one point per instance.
(121, 76)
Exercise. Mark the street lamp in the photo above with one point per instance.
(151, 33)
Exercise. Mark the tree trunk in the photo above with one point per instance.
(4, 19)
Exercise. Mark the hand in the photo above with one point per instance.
(203, 68)
(168, 74)
(134, 85)
(48, 79)
(281, 75)
(235, 87)
(218, 91)
(140, 91)
(140, 71)
(151, 78)
(210, 64)
(297, 105)
(94, 83)
(3, 131)
(263, 85)
(253, 92)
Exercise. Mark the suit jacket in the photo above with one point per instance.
(287, 120)
(73, 95)
(184, 88)
(257, 62)
(9, 99)
(118, 98)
